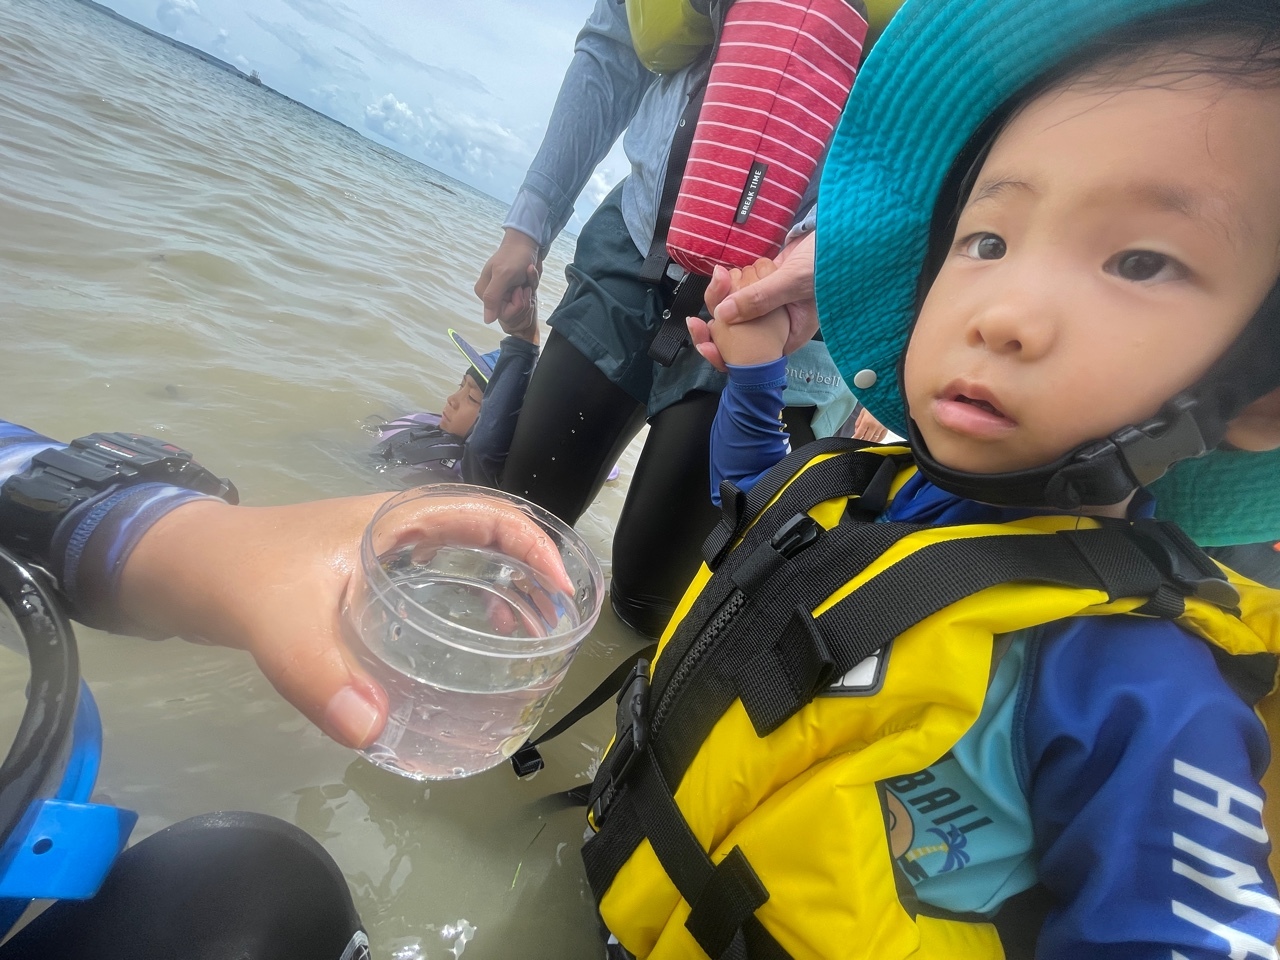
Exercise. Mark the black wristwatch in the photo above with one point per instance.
(33, 503)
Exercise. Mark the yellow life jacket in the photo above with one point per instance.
(738, 812)
(668, 35)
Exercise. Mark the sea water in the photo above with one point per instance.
(469, 644)
(187, 255)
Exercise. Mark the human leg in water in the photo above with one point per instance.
(657, 547)
(223, 886)
(573, 426)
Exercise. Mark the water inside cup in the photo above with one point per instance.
(470, 590)
(466, 642)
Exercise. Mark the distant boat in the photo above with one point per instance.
(254, 78)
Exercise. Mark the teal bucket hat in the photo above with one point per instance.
(941, 68)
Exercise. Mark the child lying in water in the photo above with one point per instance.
(469, 439)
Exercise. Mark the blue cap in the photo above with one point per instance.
(482, 364)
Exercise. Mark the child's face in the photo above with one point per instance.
(1116, 242)
(462, 408)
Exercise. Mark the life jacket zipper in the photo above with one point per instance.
(706, 639)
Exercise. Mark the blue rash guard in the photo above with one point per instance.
(1111, 763)
(489, 442)
(747, 435)
(93, 542)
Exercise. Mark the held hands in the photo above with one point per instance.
(507, 284)
(790, 286)
(524, 322)
(761, 340)
(271, 580)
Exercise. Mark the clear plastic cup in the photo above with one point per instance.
(468, 643)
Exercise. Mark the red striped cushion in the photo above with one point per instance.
(781, 76)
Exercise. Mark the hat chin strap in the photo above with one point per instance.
(1105, 472)
(1096, 473)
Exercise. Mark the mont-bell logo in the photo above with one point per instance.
(755, 178)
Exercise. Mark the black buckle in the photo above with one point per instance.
(797, 534)
(1184, 564)
(1149, 450)
(527, 760)
(632, 738)
(632, 720)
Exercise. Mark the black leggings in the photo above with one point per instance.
(574, 425)
(223, 886)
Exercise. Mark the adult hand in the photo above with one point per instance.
(790, 286)
(513, 267)
(866, 427)
(524, 320)
(699, 330)
(272, 580)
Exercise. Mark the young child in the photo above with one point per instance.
(470, 437)
(1085, 297)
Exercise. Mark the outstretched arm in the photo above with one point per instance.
(487, 447)
(747, 435)
(158, 560)
(272, 581)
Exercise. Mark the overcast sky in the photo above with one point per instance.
(465, 86)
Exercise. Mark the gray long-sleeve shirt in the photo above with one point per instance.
(606, 90)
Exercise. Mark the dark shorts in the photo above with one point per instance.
(610, 315)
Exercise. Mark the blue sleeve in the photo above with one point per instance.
(92, 542)
(747, 437)
(1142, 768)
(601, 92)
(489, 442)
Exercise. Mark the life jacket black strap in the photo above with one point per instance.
(752, 660)
(820, 483)
(731, 895)
(785, 672)
(845, 476)
(723, 901)
(528, 760)
(1113, 559)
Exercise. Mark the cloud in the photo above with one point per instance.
(338, 17)
(474, 144)
(476, 148)
(336, 100)
(598, 187)
(395, 121)
(327, 60)
(171, 13)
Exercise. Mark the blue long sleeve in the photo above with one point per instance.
(747, 436)
(93, 542)
(485, 453)
(1142, 775)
